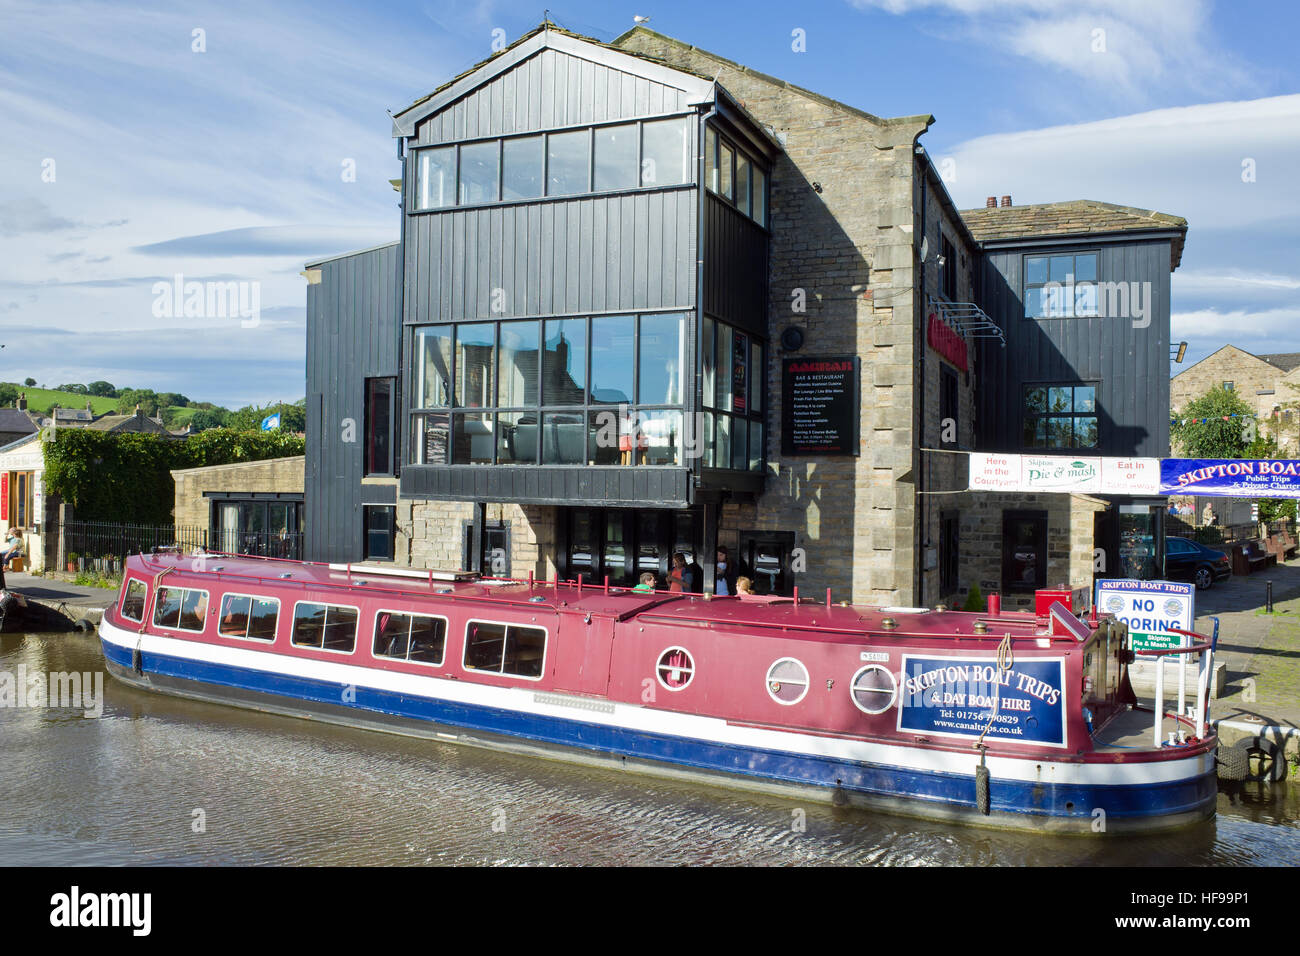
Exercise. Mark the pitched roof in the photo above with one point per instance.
(137, 422)
(16, 420)
(1077, 217)
(1286, 361)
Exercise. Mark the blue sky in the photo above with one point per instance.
(128, 157)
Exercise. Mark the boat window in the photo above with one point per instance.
(243, 615)
(505, 649)
(410, 637)
(676, 669)
(873, 689)
(132, 607)
(787, 681)
(182, 608)
(326, 626)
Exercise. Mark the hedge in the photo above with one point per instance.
(126, 477)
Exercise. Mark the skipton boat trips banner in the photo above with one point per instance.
(1151, 609)
(1230, 477)
(955, 697)
(1064, 473)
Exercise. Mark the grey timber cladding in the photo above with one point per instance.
(557, 257)
(735, 267)
(352, 334)
(1128, 361)
(548, 90)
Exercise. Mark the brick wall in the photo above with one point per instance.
(272, 475)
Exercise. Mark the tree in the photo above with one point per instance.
(29, 382)
(79, 389)
(102, 389)
(1207, 428)
(129, 398)
(8, 396)
(205, 418)
(172, 398)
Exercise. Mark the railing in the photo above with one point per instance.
(1205, 673)
(100, 540)
(266, 544)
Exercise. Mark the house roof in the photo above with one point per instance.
(137, 422)
(73, 415)
(16, 420)
(1286, 361)
(1077, 217)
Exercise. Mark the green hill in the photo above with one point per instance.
(43, 399)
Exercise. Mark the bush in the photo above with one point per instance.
(127, 477)
(974, 600)
(1208, 535)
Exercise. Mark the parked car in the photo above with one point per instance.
(1188, 560)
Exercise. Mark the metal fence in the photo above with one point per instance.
(269, 544)
(105, 540)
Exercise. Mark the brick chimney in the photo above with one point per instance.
(22, 402)
(1006, 201)
(991, 202)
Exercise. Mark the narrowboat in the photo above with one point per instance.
(1006, 719)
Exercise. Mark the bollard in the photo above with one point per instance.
(1268, 596)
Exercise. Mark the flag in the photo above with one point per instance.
(271, 422)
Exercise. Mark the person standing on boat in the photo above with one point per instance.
(677, 574)
(725, 576)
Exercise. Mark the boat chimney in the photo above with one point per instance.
(995, 605)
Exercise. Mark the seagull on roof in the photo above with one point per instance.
(640, 19)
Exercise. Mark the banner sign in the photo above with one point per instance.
(954, 697)
(945, 340)
(1151, 609)
(1230, 477)
(1064, 473)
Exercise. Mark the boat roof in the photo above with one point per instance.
(815, 620)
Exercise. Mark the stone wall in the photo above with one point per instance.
(431, 534)
(843, 219)
(191, 509)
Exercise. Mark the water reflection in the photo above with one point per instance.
(125, 788)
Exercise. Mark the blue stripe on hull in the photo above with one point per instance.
(1064, 801)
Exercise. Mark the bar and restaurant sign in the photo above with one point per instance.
(1151, 609)
(820, 399)
(1064, 473)
(1230, 477)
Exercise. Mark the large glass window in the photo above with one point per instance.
(436, 175)
(665, 153)
(522, 168)
(568, 158)
(417, 638)
(480, 169)
(735, 176)
(758, 208)
(1061, 286)
(613, 344)
(742, 184)
(732, 376)
(726, 182)
(1060, 416)
(379, 426)
(616, 165)
(475, 346)
(564, 362)
(433, 366)
(662, 360)
(517, 367)
(711, 158)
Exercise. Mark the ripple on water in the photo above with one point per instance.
(271, 790)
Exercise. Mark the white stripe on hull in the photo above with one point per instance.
(527, 700)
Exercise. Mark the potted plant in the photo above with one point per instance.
(72, 561)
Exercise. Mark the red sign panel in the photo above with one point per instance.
(945, 340)
(4, 496)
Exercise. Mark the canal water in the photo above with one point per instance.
(159, 780)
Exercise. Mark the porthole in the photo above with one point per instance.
(787, 681)
(873, 689)
(676, 669)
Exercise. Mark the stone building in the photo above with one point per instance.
(1269, 384)
(773, 289)
(252, 507)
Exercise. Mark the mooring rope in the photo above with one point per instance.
(1005, 660)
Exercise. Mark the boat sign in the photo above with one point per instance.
(955, 697)
(1151, 609)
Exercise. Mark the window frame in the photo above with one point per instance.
(949, 552)
(366, 510)
(690, 668)
(949, 401)
(244, 637)
(374, 636)
(853, 681)
(144, 603)
(1025, 285)
(546, 649)
(207, 601)
(356, 633)
(807, 681)
(367, 451)
(1026, 416)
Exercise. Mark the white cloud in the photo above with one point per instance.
(1188, 161)
(1126, 46)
